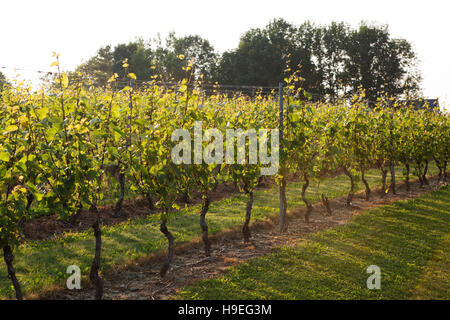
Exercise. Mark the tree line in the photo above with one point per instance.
(335, 60)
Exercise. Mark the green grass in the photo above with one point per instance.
(408, 240)
(41, 264)
(435, 282)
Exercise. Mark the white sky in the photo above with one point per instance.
(31, 30)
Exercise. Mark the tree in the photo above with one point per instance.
(99, 67)
(262, 54)
(331, 55)
(139, 58)
(379, 64)
(197, 51)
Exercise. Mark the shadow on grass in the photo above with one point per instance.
(400, 238)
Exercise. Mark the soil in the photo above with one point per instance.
(141, 280)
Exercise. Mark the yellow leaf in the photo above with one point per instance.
(113, 77)
(132, 76)
(64, 80)
(23, 119)
(54, 64)
(11, 128)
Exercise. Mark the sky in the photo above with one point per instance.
(31, 30)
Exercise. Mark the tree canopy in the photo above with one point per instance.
(334, 60)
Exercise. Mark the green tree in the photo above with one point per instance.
(379, 64)
(331, 55)
(99, 67)
(139, 57)
(197, 51)
(262, 54)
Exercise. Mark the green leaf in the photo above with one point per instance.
(4, 156)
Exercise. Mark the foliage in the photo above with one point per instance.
(56, 146)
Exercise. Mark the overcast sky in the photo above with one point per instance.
(31, 30)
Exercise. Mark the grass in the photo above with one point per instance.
(42, 264)
(435, 282)
(408, 240)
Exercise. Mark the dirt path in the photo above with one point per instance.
(142, 280)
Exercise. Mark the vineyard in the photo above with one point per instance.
(76, 148)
